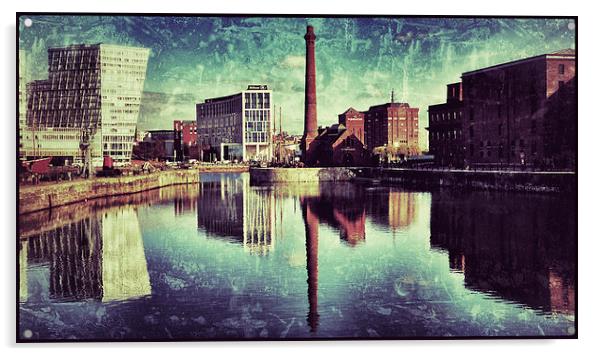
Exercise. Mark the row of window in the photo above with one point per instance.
(218, 108)
(224, 121)
(256, 137)
(447, 135)
(257, 115)
(447, 116)
(257, 100)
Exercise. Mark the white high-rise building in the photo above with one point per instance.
(90, 88)
(236, 127)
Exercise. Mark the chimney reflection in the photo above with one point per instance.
(311, 245)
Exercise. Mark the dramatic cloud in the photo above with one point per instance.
(358, 60)
(294, 62)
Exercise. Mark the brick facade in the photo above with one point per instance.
(446, 141)
(510, 115)
(393, 125)
(354, 122)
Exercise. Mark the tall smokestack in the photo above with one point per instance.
(311, 111)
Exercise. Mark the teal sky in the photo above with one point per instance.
(359, 60)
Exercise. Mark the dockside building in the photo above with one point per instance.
(93, 90)
(515, 111)
(236, 127)
(446, 140)
(392, 125)
(520, 113)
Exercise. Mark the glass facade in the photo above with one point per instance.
(237, 119)
(94, 87)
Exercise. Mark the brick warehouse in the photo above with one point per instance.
(392, 125)
(522, 112)
(354, 122)
(446, 142)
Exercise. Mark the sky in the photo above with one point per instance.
(358, 60)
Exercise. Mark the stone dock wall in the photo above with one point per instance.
(298, 175)
(565, 182)
(49, 195)
(557, 182)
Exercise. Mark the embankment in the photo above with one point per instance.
(45, 196)
(565, 182)
(299, 175)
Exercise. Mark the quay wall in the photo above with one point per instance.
(224, 169)
(49, 195)
(299, 175)
(565, 182)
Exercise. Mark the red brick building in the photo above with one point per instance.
(522, 112)
(337, 146)
(394, 125)
(354, 122)
(185, 139)
(446, 142)
(188, 131)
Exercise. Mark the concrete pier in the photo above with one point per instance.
(299, 175)
(49, 195)
(558, 182)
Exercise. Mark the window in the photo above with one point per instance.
(561, 69)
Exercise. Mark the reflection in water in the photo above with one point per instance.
(124, 270)
(520, 249)
(209, 253)
(22, 271)
(311, 246)
(229, 209)
(99, 257)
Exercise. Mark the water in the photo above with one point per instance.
(224, 260)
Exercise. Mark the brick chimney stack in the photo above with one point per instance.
(311, 112)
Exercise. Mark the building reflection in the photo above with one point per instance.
(229, 209)
(23, 291)
(99, 257)
(185, 198)
(341, 206)
(520, 247)
(396, 211)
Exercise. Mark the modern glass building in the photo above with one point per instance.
(90, 88)
(236, 127)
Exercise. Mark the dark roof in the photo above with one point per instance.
(567, 53)
(351, 109)
(330, 134)
(387, 105)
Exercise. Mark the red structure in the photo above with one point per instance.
(522, 112)
(311, 121)
(394, 126)
(187, 130)
(445, 129)
(185, 139)
(354, 122)
(338, 146)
